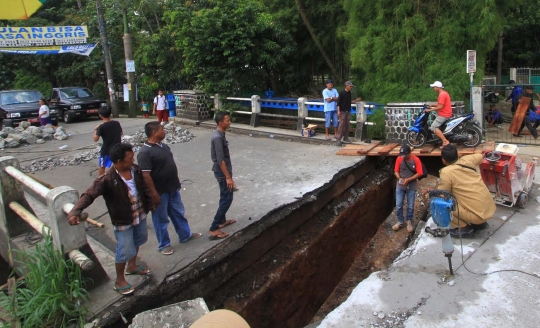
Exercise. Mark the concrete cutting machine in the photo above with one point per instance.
(508, 179)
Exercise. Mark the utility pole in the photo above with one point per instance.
(499, 59)
(107, 58)
(130, 67)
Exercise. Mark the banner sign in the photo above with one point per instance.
(471, 61)
(79, 49)
(42, 36)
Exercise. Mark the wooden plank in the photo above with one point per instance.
(387, 148)
(465, 151)
(367, 147)
(427, 149)
(515, 126)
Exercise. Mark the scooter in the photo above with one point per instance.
(462, 129)
(491, 97)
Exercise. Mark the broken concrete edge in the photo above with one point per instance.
(182, 314)
(241, 247)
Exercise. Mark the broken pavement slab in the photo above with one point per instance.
(182, 314)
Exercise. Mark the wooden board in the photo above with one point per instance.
(367, 147)
(485, 147)
(387, 148)
(515, 126)
(427, 149)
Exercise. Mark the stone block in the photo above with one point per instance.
(182, 314)
(24, 124)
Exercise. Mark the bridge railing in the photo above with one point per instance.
(17, 218)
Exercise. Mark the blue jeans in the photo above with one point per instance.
(225, 201)
(400, 197)
(128, 240)
(170, 205)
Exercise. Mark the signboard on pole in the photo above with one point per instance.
(471, 61)
(130, 66)
(42, 36)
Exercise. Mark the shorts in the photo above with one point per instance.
(45, 120)
(128, 240)
(438, 122)
(331, 116)
(162, 115)
(104, 161)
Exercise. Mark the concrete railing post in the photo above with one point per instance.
(255, 111)
(218, 103)
(11, 225)
(361, 117)
(302, 113)
(477, 104)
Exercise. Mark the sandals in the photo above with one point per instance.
(218, 235)
(194, 235)
(226, 223)
(141, 270)
(124, 290)
(167, 250)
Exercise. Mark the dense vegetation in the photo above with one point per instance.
(392, 51)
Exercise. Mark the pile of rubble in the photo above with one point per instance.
(180, 135)
(28, 134)
(52, 162)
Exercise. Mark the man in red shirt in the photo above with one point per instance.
(407, 170)
(443, 108)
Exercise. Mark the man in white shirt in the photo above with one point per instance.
(160, 105)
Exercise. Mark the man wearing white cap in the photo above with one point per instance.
(443, 106)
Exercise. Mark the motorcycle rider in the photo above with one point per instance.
(443, 106)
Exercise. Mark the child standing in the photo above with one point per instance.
(44, 116)
(111, 133)
(145, 109)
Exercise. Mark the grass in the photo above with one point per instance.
(52, 291)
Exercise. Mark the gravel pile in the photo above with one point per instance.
(28, 134)
(52, 162)
(180, 135)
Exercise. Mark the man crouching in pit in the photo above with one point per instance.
(128, 201)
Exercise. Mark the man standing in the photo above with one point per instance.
(111, 133)
(161, 176)
(407, 170)
(443, 108)
(475, 205)
(219, 152)
(343, 111)
(160, 105)
(526, 120)
(330, 96)
(515, 95)
(128, 201)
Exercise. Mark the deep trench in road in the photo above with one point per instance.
(296, 264)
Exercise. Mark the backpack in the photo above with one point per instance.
(424, 170)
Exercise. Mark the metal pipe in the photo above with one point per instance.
(81, 260)
(278, 115)
(30, 218)
(242, 99)
(83, 217)
(40, 181)
(27, 181)
(242, 112)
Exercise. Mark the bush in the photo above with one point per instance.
(52, 290)
(29, 81)
(377, 131)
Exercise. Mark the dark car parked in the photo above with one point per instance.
(21, 105)
(75, 102)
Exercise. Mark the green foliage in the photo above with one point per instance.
(51, 293)
(28, 80)
(229, 46)
(377, 131)
(397, 49)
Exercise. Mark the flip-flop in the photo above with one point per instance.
(124, 290)
(218, 236)
(139, 271)
(194, 235)
(328, 139)
(226, 223)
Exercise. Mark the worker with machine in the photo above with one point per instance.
(475, 205)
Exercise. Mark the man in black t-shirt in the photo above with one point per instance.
(161, 176)
(111, 133)
(344, 113)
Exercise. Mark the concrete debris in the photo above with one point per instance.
(25, 133)
(3, 134)
(24, 124)
(40, 141)
(182, 314)
(16, 137)
(60, 134)
(180, 135)
(52, 162)
(11, 143)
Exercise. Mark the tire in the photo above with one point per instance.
(494, 98)
(477, 136)
(416, 140)
(65, 117)
(522, 200)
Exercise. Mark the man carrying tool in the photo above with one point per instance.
(128, 201)
(475, 205)
(407, 170)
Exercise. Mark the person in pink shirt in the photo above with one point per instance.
(443, 106)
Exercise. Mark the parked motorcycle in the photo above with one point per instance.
(462, 129)
(491, 97)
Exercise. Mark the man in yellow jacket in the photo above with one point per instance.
(475, 205)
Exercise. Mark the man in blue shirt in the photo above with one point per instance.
(330, 96)
(515, 95)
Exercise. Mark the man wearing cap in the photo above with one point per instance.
(331, 97)
(475, 205)
(443, 108)
(407, 170)
(343, 111)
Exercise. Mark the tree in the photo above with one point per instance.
(398, 49)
